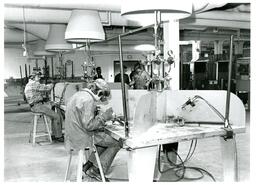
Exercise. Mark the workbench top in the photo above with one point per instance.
(163, 133)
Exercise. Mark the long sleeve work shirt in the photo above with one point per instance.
(33, 91)
(82, 119)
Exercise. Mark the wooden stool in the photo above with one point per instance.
(36, 134)
(83, 156)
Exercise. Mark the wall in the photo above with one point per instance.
(104, 60)
(13, 59)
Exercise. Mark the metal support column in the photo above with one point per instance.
(229, 82)
(52, 67)
(126, 125)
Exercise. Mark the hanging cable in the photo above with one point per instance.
(180, 166)
(192, 103)
(194, 148)
(189, 155)
(24, 33)
(180, 169)
(159, 162)
(200, 170)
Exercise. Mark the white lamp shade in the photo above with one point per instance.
(84, 25)
(40, 49)
(55, 41)
(143, 11)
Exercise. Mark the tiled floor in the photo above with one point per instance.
(47, 163)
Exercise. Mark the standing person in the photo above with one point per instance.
(126, 77)
(98, 74)
(34, 95)
(84, 120)
(141, 77)
(132, 77)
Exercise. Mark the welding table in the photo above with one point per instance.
(143, 149)
(148, 107)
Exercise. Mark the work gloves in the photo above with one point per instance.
(108, 114)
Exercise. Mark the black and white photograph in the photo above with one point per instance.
(136, 91)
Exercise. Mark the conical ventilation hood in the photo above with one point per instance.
(55, 41)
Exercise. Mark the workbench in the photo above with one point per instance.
(150, 128)
(143, 148)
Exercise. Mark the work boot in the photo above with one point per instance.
(95, 173)
(86, 166)
(59, 139)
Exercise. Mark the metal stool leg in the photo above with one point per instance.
(47, 128)
(68, 166)
(99, 163)
(34, 129)
(81, 158)
(80, 162)
(31, 130)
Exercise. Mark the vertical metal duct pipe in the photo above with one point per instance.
(126, 125)
(229, 82)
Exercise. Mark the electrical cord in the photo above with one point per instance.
(191, 102)
(190, 178)
(210, 105)
(200, 170)
(184, 168)
(159, 168)
(24, 33)
(189, 155)
(181, 166)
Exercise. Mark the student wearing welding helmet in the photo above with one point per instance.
(84, 119)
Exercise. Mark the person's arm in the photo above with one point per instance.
(147, 77)
(132, 81)
(43, 87)
(91, 121)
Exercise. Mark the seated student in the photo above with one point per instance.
(84, 119)
(34, 95)
(126, 77)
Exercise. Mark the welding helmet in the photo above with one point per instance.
(103, 89)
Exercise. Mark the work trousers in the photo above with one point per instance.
(107, 148)
(55, 117)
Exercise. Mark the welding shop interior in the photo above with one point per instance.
(189, 122)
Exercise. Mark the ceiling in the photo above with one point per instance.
(214, 21)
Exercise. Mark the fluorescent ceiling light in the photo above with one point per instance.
(145, 47)
(143, 11)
